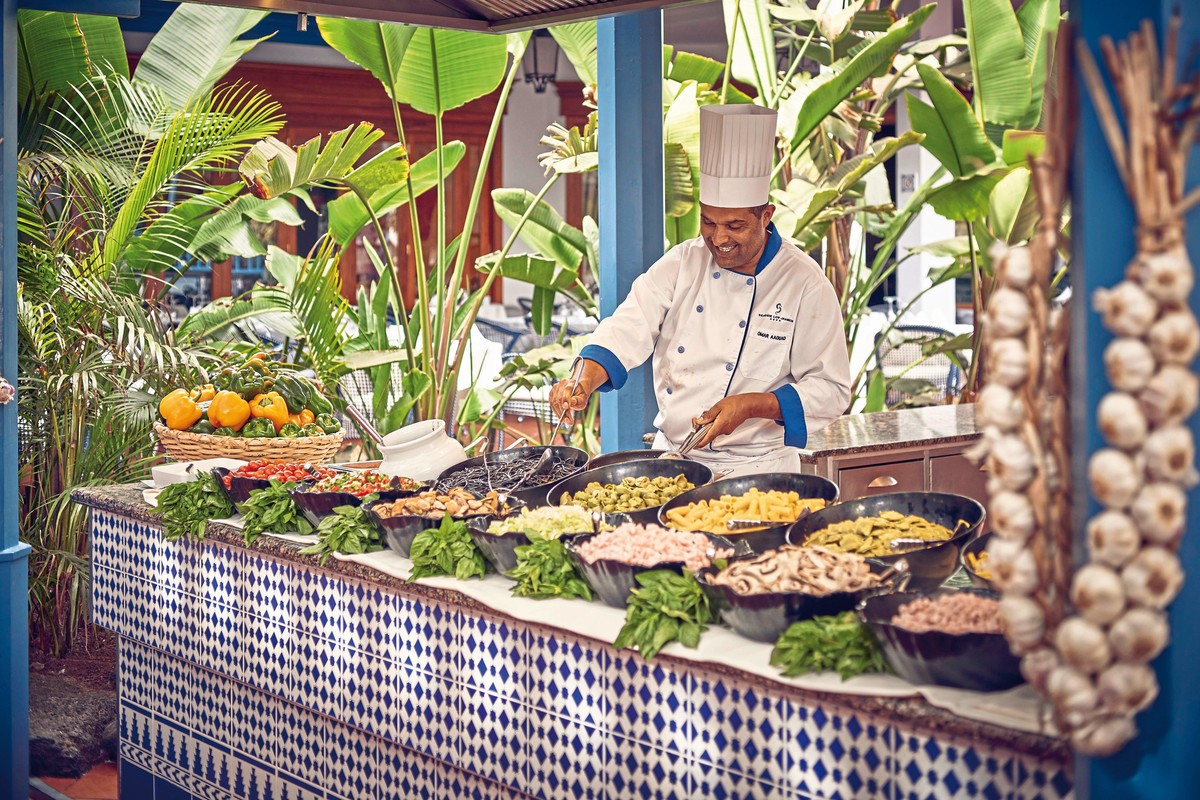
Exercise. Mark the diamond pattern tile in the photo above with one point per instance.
(927, 767)
(222, 645)
(567, 676)
(710, 781)
(838, 754)
(740, 729)
(405, 774)
(137, 678)
(302, 740)
(650, 703)
(567, 758)
(255, 722)
(494, 737)
(636, 770)
(429, 714)
(371, 699)
(1040, 780)
(354, 762)
(492, 656)
(105, 597)
(180, 625)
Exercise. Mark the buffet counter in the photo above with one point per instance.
(255, 673)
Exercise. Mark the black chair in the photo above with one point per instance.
(504, 335)
(902, 351)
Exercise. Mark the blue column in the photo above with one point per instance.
(1161, 762)
(14, 577)
(631, 194)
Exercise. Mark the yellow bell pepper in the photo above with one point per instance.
(228, 410)
(202, 394)
(270, 406)
(179, 410)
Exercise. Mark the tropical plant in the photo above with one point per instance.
(108, 190)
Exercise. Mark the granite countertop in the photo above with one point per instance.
(126, 499)
(889, 430)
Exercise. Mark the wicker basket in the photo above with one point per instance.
(188, 446)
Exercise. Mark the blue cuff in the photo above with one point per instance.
(795, 429)
(617, 374)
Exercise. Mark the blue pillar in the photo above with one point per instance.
(1161, 762)
(14, 555)
(631, 194)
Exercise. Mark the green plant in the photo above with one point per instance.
(103, 159)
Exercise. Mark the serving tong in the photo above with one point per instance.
(907, 544)
(690, 442)
(749, 524)
(547, 458)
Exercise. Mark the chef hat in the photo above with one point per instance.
(736, 146)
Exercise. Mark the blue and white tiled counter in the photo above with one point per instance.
(254, 673)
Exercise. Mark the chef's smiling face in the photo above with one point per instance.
(735, 236)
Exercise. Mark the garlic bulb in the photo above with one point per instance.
(1012, 566)
(1071, 690)
(1175, 338)
(1152, 578)
(1171, 455)
(1121, 421)
(1104, 736)
(1160, 511)
(1024, 622)
(1167, 276)
(1012, 463)
(1008, 362)
(1012, 515)
(1082, 645)
(1000, 407)
(1008, 313)
(1097, 594)
(1115, 477)
(1018, 269)
(1171, 395)
(1113, 539)
(1126, 308)
(1037, 665)
(1139, 635)
(1129, 364)
(1126, 688)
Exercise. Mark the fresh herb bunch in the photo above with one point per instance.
(271, 509)
(446, 550)
(667, 607)
(187, 507)
(347, 530)
(841, 643)
(543, 570)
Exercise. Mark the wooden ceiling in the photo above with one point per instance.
(496, 16)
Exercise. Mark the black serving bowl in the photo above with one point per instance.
(399, 531)
(501, 548)
(694, 471)
(239, 488)
(764, 617)
(981, 662)
(621, 456)
(315, 506)
(530, 495)
(928, 565)
(613, 580)
(976, 547)
(807, 486)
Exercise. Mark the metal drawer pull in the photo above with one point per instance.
(882, 481)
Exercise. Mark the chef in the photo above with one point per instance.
(744, 329)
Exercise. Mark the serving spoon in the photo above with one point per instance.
(547, 456)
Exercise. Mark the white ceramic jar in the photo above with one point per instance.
(420, 451)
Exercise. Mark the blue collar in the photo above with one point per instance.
(774, 242)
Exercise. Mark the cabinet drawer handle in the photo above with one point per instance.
(882, 481)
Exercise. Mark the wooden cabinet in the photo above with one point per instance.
(876, 478)
(941, 468)
(958, 474)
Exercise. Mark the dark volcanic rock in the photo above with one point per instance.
(71, 726)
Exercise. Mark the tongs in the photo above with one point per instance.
(748, 524)
(689, 443)
(547, 458)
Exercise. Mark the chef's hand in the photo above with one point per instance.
(591, 375)
(730, 412)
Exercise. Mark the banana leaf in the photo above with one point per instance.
(444, 69)
(751, 44)
(1039, 30)
(378, 47)
(578, 43)
(545, 231)
(999, 72)
(965, 199)
(56, 51)
(1012, 208)
(866, 63)
(195, 48)
(685, 67)
(1019, 146)
(348, 215)
(382, 172)
(679, 190)
(953, 133)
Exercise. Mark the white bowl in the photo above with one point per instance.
(183, 471)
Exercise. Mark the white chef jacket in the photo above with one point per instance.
(713, 333)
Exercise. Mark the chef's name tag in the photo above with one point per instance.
(774, 325)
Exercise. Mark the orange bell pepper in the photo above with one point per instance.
(270, 406)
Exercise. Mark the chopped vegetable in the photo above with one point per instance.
(271, 510)
(446, 550)
(265, 470)
(187, 507)
(666, 608)
(361, 484)
(347, 530)
(546, 522)
(543, 570)
(841, 643)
